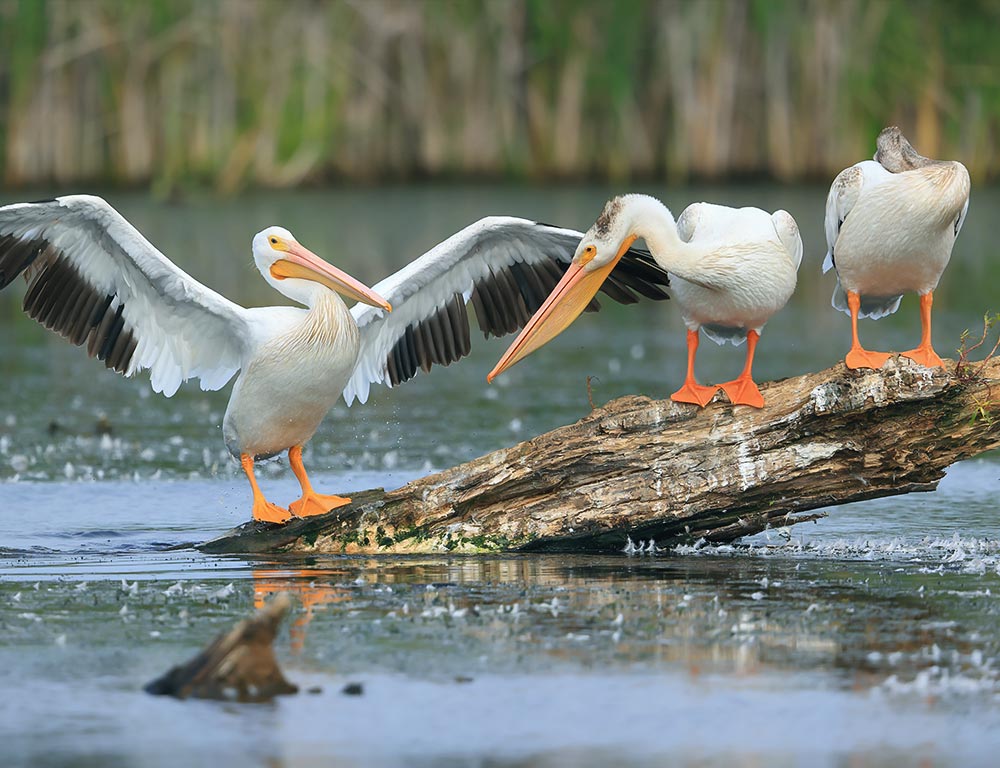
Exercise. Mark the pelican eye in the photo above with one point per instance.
(274, 240)
(587, 254)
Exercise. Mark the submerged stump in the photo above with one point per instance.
(654, 469)
(239, 665)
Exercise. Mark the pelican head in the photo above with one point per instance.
(601, 248)
(294, 270)
(895, 153)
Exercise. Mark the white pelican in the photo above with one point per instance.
(891, 223)
(730, 270)
(94, 278)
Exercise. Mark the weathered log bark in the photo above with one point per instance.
(239, 665)
(658, 470)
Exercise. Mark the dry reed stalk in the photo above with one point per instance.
(237, 92)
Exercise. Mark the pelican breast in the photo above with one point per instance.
(292, 379)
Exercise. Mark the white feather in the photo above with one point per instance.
(746, 267)
(184, 329)
(844, 193)
(424, 286)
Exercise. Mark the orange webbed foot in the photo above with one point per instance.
(925, 356)
(863, 358)
(743, 391)
(693, 393)
(267, 512)
(316, 504)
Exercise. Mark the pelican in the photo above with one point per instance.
(731, 269)
(92, 277)
(891, 223)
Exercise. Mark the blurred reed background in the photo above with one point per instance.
(233, 93)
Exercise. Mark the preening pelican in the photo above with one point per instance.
(891, 223)
(92, 277)
(731, 269)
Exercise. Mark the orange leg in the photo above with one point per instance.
(262, 508)
(925, 354)
(311, 503)
(742, 390)
(859, 357)
(692, 392)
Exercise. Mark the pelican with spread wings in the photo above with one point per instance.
(95, 280)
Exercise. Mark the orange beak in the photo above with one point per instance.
(300, 262)
(568, 299)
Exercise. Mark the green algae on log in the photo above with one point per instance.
(654, 469)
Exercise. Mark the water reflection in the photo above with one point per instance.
(865, 624)
(519, 645)
(307, 587)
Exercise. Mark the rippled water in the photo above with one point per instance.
(869, 637)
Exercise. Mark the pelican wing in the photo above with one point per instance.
(721, 224)
(961, 217)
(844, 193)
(505, 267)
(788, 233)
(687, 222)
(727, 231)
(92, 277)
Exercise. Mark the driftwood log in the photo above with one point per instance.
(239, 665)
(649, 469)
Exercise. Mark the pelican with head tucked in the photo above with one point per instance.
(94, 279)
(891, 224)
(731, 269)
